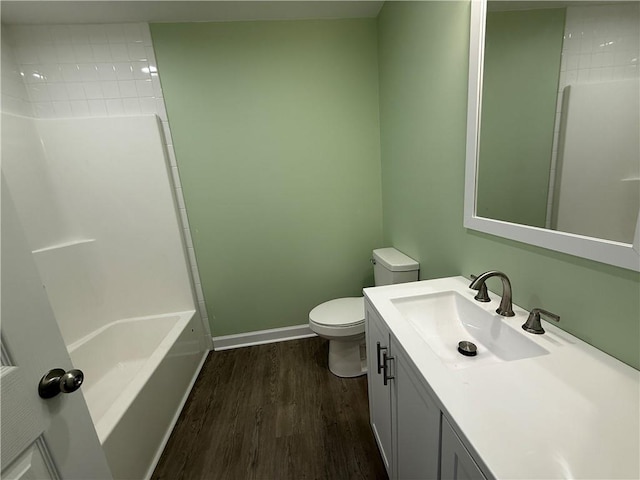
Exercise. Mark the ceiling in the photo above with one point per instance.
(159, 11)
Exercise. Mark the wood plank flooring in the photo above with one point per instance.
(273, 412)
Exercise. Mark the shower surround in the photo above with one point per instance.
(95, 201)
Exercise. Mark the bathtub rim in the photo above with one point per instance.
(107, 423)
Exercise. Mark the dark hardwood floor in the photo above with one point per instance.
(273, 412)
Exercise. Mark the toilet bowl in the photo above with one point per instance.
(342, 321)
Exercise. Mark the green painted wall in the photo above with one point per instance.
(422, 117)
(520, 84)
(276, 132)
(423, 51)
(281, 154)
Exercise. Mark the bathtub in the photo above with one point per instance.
(138, 374)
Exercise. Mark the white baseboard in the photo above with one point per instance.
(260, 337)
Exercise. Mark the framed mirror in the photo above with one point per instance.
(553, 126)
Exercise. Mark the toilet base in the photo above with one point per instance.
(348, 358)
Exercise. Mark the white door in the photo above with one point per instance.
(40, 439)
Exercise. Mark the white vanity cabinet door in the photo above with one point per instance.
(457, 463)
(416, 421)
(379, 393)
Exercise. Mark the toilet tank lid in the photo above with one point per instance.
(395, 260)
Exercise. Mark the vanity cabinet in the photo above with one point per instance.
(378, 338)
(404, 417)
(456, 462)
(414, 438)
(415, 419)
(455, 417)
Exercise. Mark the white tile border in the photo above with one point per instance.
(261, 337)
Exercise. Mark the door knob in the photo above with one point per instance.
(57, 380)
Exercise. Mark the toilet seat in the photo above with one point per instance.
(341, 317)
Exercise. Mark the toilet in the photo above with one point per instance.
(341, 321)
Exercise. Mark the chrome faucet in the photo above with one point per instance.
(506, 307)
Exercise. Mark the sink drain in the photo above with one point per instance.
(467, 348)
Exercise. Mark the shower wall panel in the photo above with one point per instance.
(109, 179)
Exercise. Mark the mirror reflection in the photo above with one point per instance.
(560, 122)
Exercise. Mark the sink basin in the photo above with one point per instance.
(444, 319)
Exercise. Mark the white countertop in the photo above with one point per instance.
(573, 413)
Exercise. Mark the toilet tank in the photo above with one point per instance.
(392, 266)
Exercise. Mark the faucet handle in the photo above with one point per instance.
(533, 325)
(483, 294)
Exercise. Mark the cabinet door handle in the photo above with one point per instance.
(385, 368)
(379, 349)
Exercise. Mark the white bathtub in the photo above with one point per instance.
(138, 374)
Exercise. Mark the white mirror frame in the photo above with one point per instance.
(606, 251)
